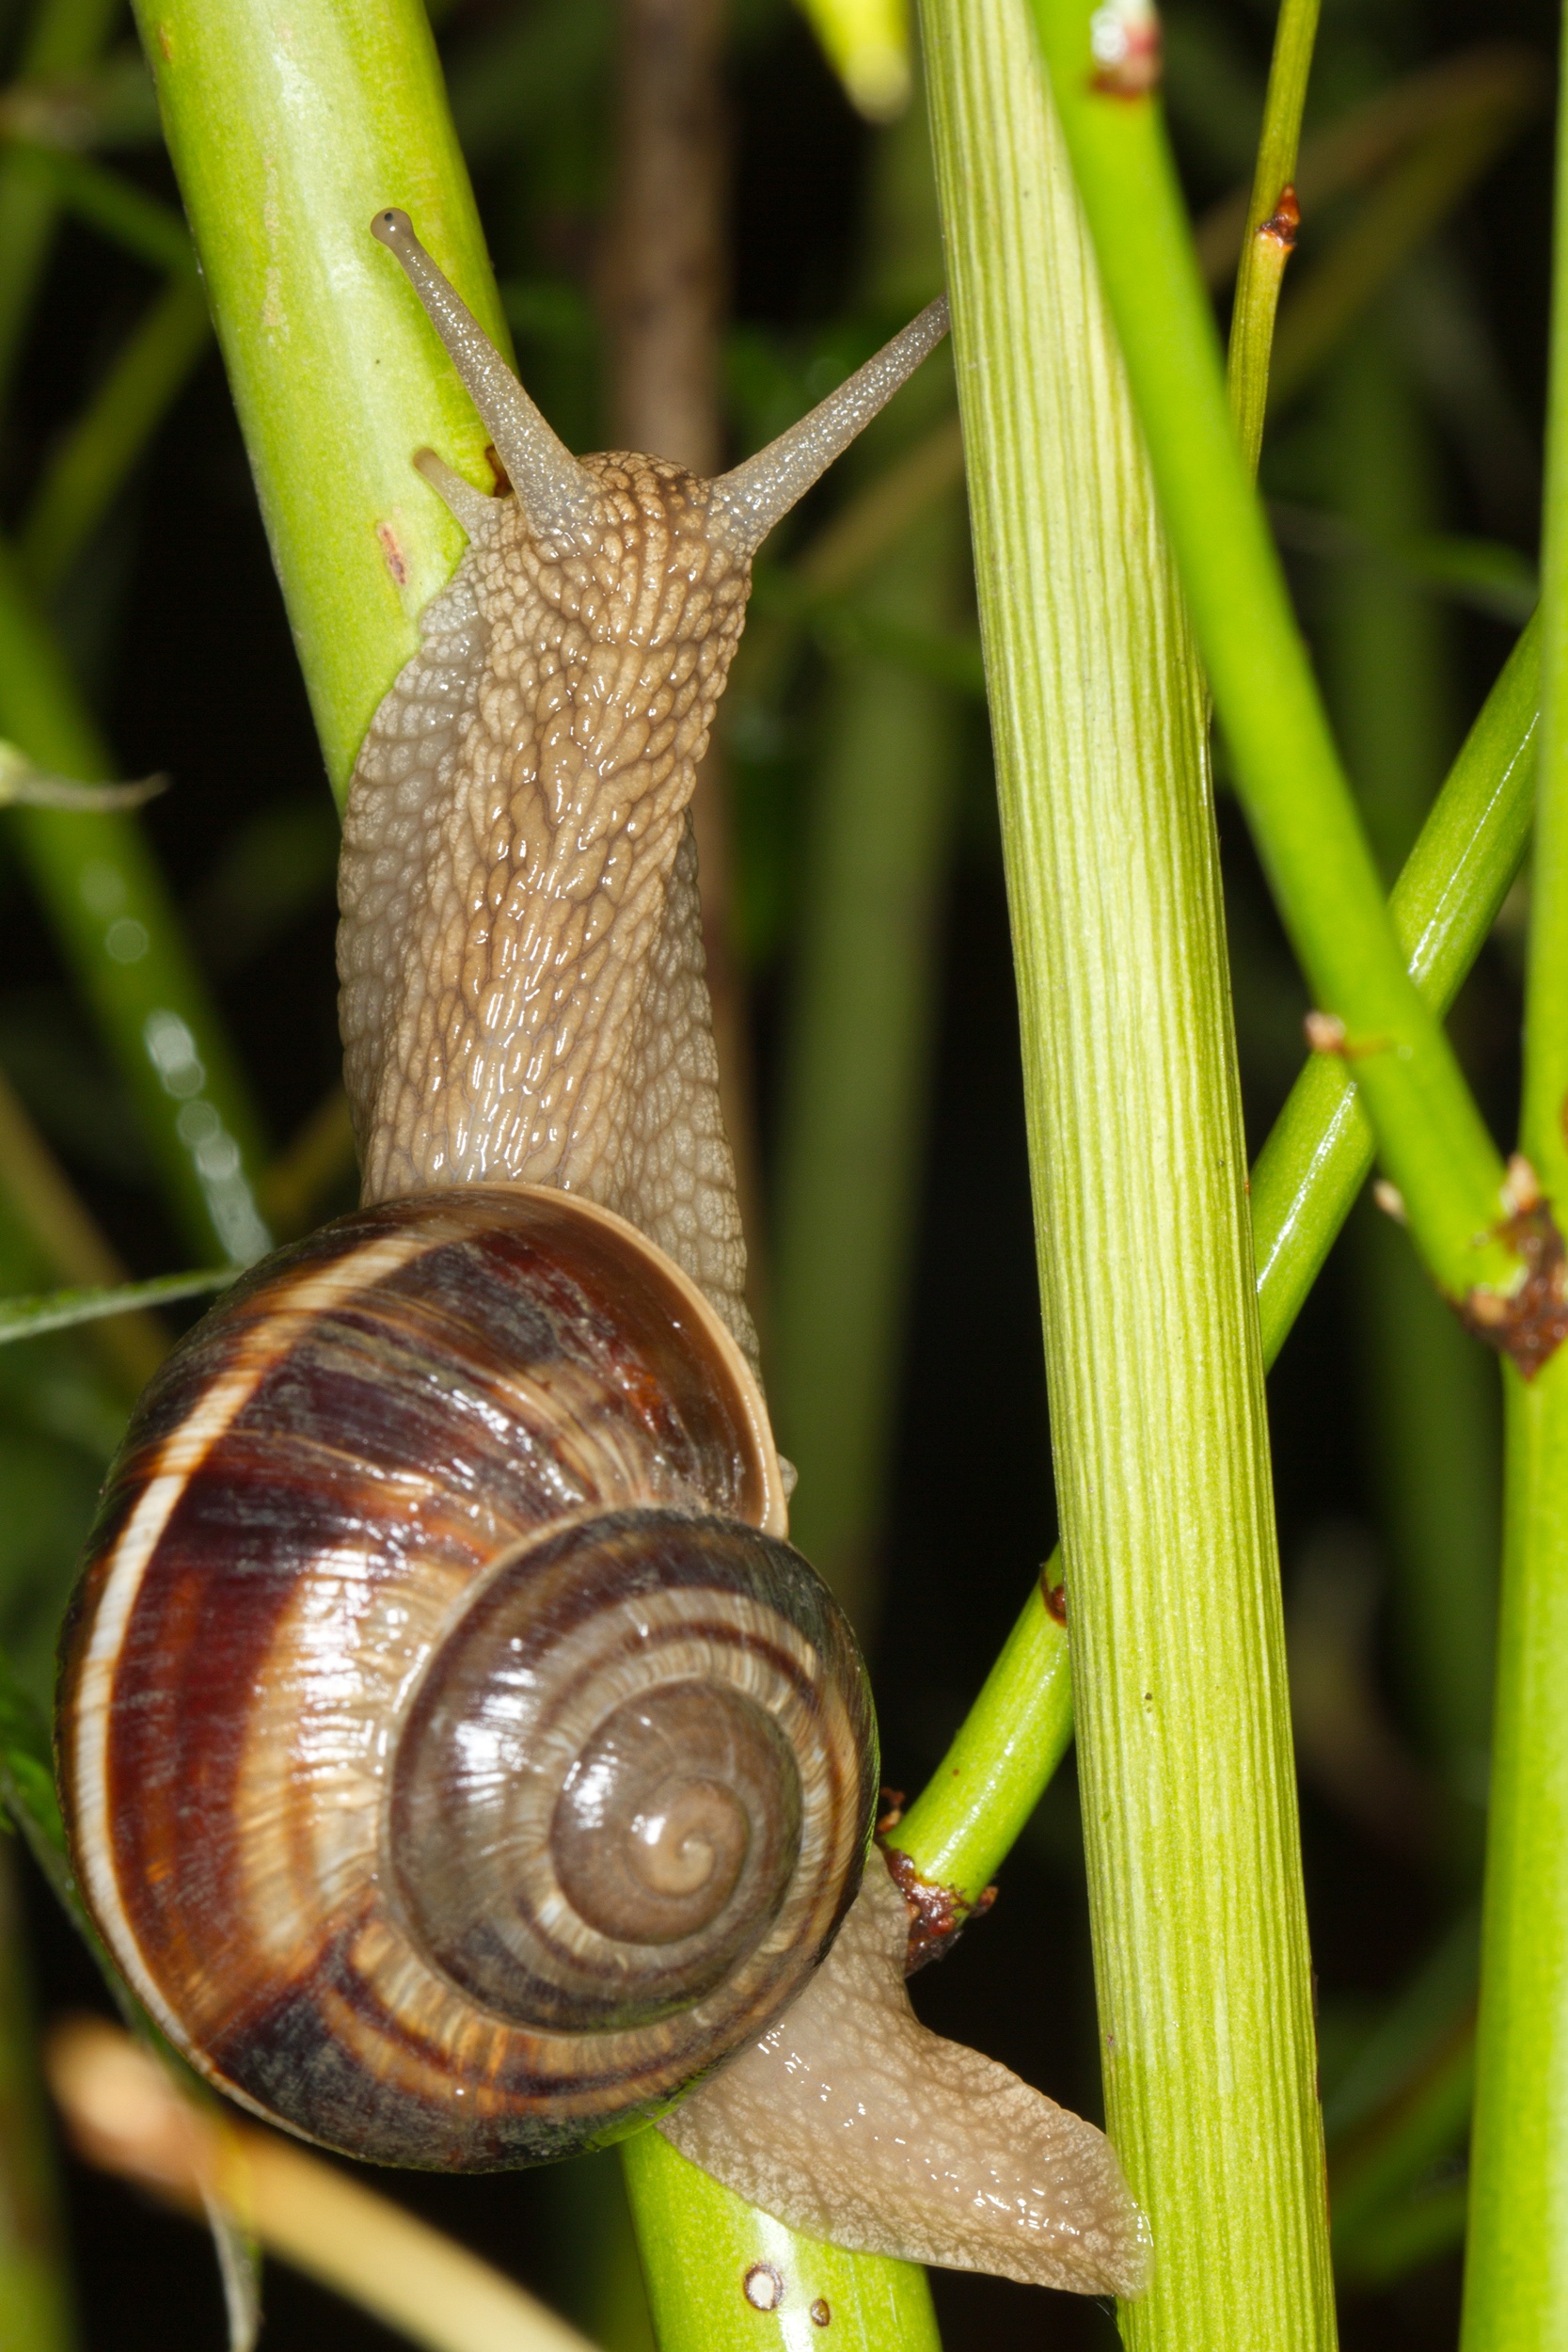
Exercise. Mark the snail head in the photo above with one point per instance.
(561, 497)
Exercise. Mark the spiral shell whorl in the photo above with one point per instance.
(292, 1753)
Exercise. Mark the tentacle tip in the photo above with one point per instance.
(391, 227)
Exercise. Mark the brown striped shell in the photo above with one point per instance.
(457, 1761)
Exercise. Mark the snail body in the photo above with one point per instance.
(457, 1760)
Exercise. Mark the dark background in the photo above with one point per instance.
(176, 624)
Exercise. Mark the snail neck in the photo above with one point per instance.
(523, 990)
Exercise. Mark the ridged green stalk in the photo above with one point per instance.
(1153, 1346)
(1307, 1175)
(1517, 2272)
(1430, 1136)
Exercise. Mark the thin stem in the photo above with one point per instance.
(70, 1243)
(1517, 2272)
(93, 460)
(289, 126)
(858, 1044)
(122, 936)
(58, 1310)
(126, 2115)
(1271, 224)
(1156, 1408)
(1397, 217)
(1431, 1137)
(719, 2274)
(115, 206)
(1351, 150)
(1386, 2161)
(962, 1826)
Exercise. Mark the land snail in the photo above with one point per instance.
(459, 1763)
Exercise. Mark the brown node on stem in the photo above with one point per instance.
(1284, 221)
(938, 1914)
(1053, 1595)
(1530, 1323)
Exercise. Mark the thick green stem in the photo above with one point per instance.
(1431, 1137)
(723, 2278)
(1151, 1334)
(1270, 224)
(1516, 2274)
(288, 127)
(965, 1823)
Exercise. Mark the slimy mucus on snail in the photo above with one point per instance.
(458, 1762)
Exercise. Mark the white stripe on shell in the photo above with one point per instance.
(181, 1452)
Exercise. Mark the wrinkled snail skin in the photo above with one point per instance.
(457, 1761)
(523, 993)
(851, 2122)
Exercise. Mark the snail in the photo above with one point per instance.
(459, 1764)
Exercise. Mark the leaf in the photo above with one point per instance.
(54, 1310)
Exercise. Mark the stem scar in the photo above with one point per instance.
(1530, 1323)
(938, 1914)
(1284, 221)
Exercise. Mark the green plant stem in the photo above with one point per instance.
(1431, 1137)
(1156, 1408)
(1383, 2164)
(93, 460)
(1421, 190)
(68, 1242)
(288, 127)
(1429, 1395)
(122, 936)
(117, 207)
(858, 1046)
(858, 1050)
(963, 1824)
(1265, 250)
(57, 1310)
(699, 2242)
(1516, 2269)
(35, 2314)
(1350, 152)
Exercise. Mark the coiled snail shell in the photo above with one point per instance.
(457, 1759)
